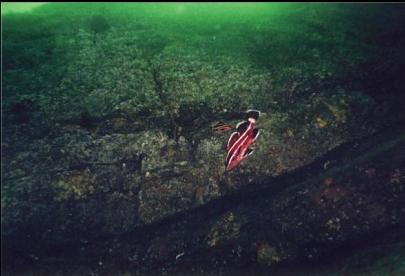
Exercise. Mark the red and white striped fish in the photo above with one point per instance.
(239, 142)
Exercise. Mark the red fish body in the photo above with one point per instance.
(239, 141)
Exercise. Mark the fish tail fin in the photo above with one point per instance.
(252, 113)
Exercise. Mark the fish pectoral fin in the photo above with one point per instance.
(242, 126)
(256, 133)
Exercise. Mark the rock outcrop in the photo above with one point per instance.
(150, 201)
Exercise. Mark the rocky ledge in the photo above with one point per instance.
(146, 201)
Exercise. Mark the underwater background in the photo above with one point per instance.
(111, 165)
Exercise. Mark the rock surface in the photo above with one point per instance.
(169, 208)
(75, 169)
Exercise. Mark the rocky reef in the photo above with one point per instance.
(149, 202)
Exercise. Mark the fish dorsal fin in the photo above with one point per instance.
(232, 139)
(256, 133)
(252, 113)
(248, 152)
(242, 126)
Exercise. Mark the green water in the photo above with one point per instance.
(7, 8)
(70, 59)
